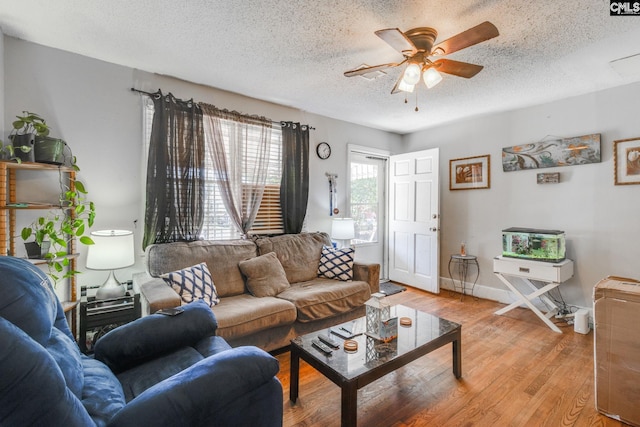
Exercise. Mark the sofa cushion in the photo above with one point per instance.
(32, 387)
(66, 353)
(321, 298)
(245, 314)
(138, 379)
(299, 254)
(193, 283)
(28, 301)
(222, 258)
(336, 263)
(102, 395)
(265, 275)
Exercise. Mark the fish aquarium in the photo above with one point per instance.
(533, 244)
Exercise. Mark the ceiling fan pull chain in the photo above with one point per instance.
(416, 100)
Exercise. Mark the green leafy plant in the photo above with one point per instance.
(29, 123)
(8, 151)
(60, 227)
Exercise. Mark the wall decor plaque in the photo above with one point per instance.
(579, 150)
(548, 178)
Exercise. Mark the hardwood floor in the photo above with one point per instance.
(515, 372)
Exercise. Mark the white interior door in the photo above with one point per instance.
(414, 214)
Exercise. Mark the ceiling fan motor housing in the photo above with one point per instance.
(423, 39)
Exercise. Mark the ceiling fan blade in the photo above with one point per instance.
(367, 70)
(457, 68)
(475, 35)
(397, 40)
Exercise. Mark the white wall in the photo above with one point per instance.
(89, 104)
(601, 220)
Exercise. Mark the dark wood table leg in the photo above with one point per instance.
(457, 354)
(349, 404)
(294, 373)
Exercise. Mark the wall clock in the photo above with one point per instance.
(323, 150)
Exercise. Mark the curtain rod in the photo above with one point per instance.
(281, 123)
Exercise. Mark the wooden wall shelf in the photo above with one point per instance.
(11, 205)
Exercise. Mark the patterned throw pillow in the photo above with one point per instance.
(336, 263)
(193, 283)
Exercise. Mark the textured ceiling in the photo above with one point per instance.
(294, 53)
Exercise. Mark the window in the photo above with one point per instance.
(269, 218)
(365, 198)
(217, 224)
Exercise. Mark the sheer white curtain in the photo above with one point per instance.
(239, 148)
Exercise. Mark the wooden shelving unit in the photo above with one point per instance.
(10, 205)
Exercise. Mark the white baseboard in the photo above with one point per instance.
(481, 291)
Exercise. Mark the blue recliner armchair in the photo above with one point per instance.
(156, 371)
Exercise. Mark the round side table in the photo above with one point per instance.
(461, 264)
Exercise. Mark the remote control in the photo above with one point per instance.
(328, 341)
(323, 348)
(342, 334)
(346, 330)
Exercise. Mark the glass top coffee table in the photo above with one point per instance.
(374, 359)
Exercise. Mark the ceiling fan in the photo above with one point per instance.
(417, 47)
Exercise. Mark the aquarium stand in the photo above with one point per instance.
(552, 274)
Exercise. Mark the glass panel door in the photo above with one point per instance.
(367, 206)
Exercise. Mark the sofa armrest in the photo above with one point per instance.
(154, 335)
(203, 393)
(369, 273)
(156, 293)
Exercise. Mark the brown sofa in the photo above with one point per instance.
(309, 302)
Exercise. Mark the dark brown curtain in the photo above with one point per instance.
(294, 187)
(175, 172)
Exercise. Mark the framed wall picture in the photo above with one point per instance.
(626, 161)
(470, 173)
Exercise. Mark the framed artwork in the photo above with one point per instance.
(470, 173)
(626, 161)
(578, 150)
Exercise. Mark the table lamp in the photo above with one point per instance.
(343, 229)
(113, 249)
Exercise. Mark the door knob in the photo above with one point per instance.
(433, 229)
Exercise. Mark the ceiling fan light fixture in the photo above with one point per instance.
(412, 74)
(405, 87)
(431, 77)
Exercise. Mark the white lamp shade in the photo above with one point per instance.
(412, 74)
(343, 228)
(405, 87)
(431, 77)
(113, 249)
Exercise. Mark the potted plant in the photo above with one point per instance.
(9, 152)
(24, 132)
(59, 227)
(39, 247)
(51, 150)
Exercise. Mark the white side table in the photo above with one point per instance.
(550, 273)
